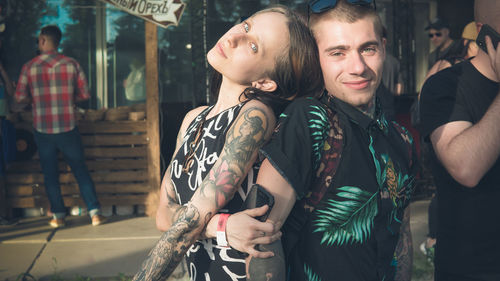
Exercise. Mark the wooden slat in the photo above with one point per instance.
(87, 127)
(97, 165)
(115, 152)
(114, 140)
(19, 190)
(108, 152)
(105, 200)
(108, 176)
(117, 164)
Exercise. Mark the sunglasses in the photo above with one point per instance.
(437, 34)
(189, 160)
(319, 6)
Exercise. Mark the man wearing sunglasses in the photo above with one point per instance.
(460, 115)
(439, 34)
(341, 174)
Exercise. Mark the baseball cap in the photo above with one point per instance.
(470, 31)
(437, 24)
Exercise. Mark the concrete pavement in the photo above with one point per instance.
(111, 251)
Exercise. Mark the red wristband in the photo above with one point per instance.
(221, 230)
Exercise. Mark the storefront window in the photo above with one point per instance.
(126, 81)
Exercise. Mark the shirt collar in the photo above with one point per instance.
(355, 115)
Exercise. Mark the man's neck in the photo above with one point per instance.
(482, 63)
(368, 109)
(445, 44)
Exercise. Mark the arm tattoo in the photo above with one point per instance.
(270, 269)
(243, 140)
(404, 250)
(171, 200)
(246, 136)
(173, 244)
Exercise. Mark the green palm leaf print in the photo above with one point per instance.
(311, 276)
(347, 221)
(318, 124)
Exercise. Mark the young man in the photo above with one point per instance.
(460, 111)
(340, 172)
(53, 83)
(439, 34)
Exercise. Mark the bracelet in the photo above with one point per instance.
(221, 230)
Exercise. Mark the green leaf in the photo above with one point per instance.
(310, 274)
(349, 220)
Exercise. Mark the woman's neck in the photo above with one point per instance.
(229, 96)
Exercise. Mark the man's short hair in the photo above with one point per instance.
(53, 32)
(349, 13)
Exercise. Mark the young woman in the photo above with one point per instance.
(262, 63)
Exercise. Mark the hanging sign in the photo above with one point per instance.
(160, 12)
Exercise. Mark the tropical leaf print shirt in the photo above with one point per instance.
(353, 176)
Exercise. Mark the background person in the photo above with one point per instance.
(460, 111)
(53, 83)
(439, 34)
(392, 83)
(465, 48)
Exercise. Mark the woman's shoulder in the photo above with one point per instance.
(257, 105)
(190, 116)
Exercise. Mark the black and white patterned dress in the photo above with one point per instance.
(205, 259)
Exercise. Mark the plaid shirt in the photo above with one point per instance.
(53, 82)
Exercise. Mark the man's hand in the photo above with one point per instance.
(244, 232)
(494, 56)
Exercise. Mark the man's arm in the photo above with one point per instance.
(272, 268)
(9, 87)
(82, 88)
(244, 232)
(22, 94)
(250, 130)
(404, 249)
(468, 151)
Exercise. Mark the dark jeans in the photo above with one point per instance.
(433, 217)
(445, 276)
(70, 144)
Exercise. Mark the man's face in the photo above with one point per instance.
(438, 36)
(351, 57)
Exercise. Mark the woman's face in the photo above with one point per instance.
(249, 50)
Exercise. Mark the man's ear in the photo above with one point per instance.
(266, 85)
(384, 43)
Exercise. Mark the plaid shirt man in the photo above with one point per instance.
(55, 82)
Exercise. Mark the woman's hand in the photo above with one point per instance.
(244, 232)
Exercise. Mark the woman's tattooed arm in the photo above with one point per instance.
(248, 133)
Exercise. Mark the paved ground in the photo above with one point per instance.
(112, 251)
